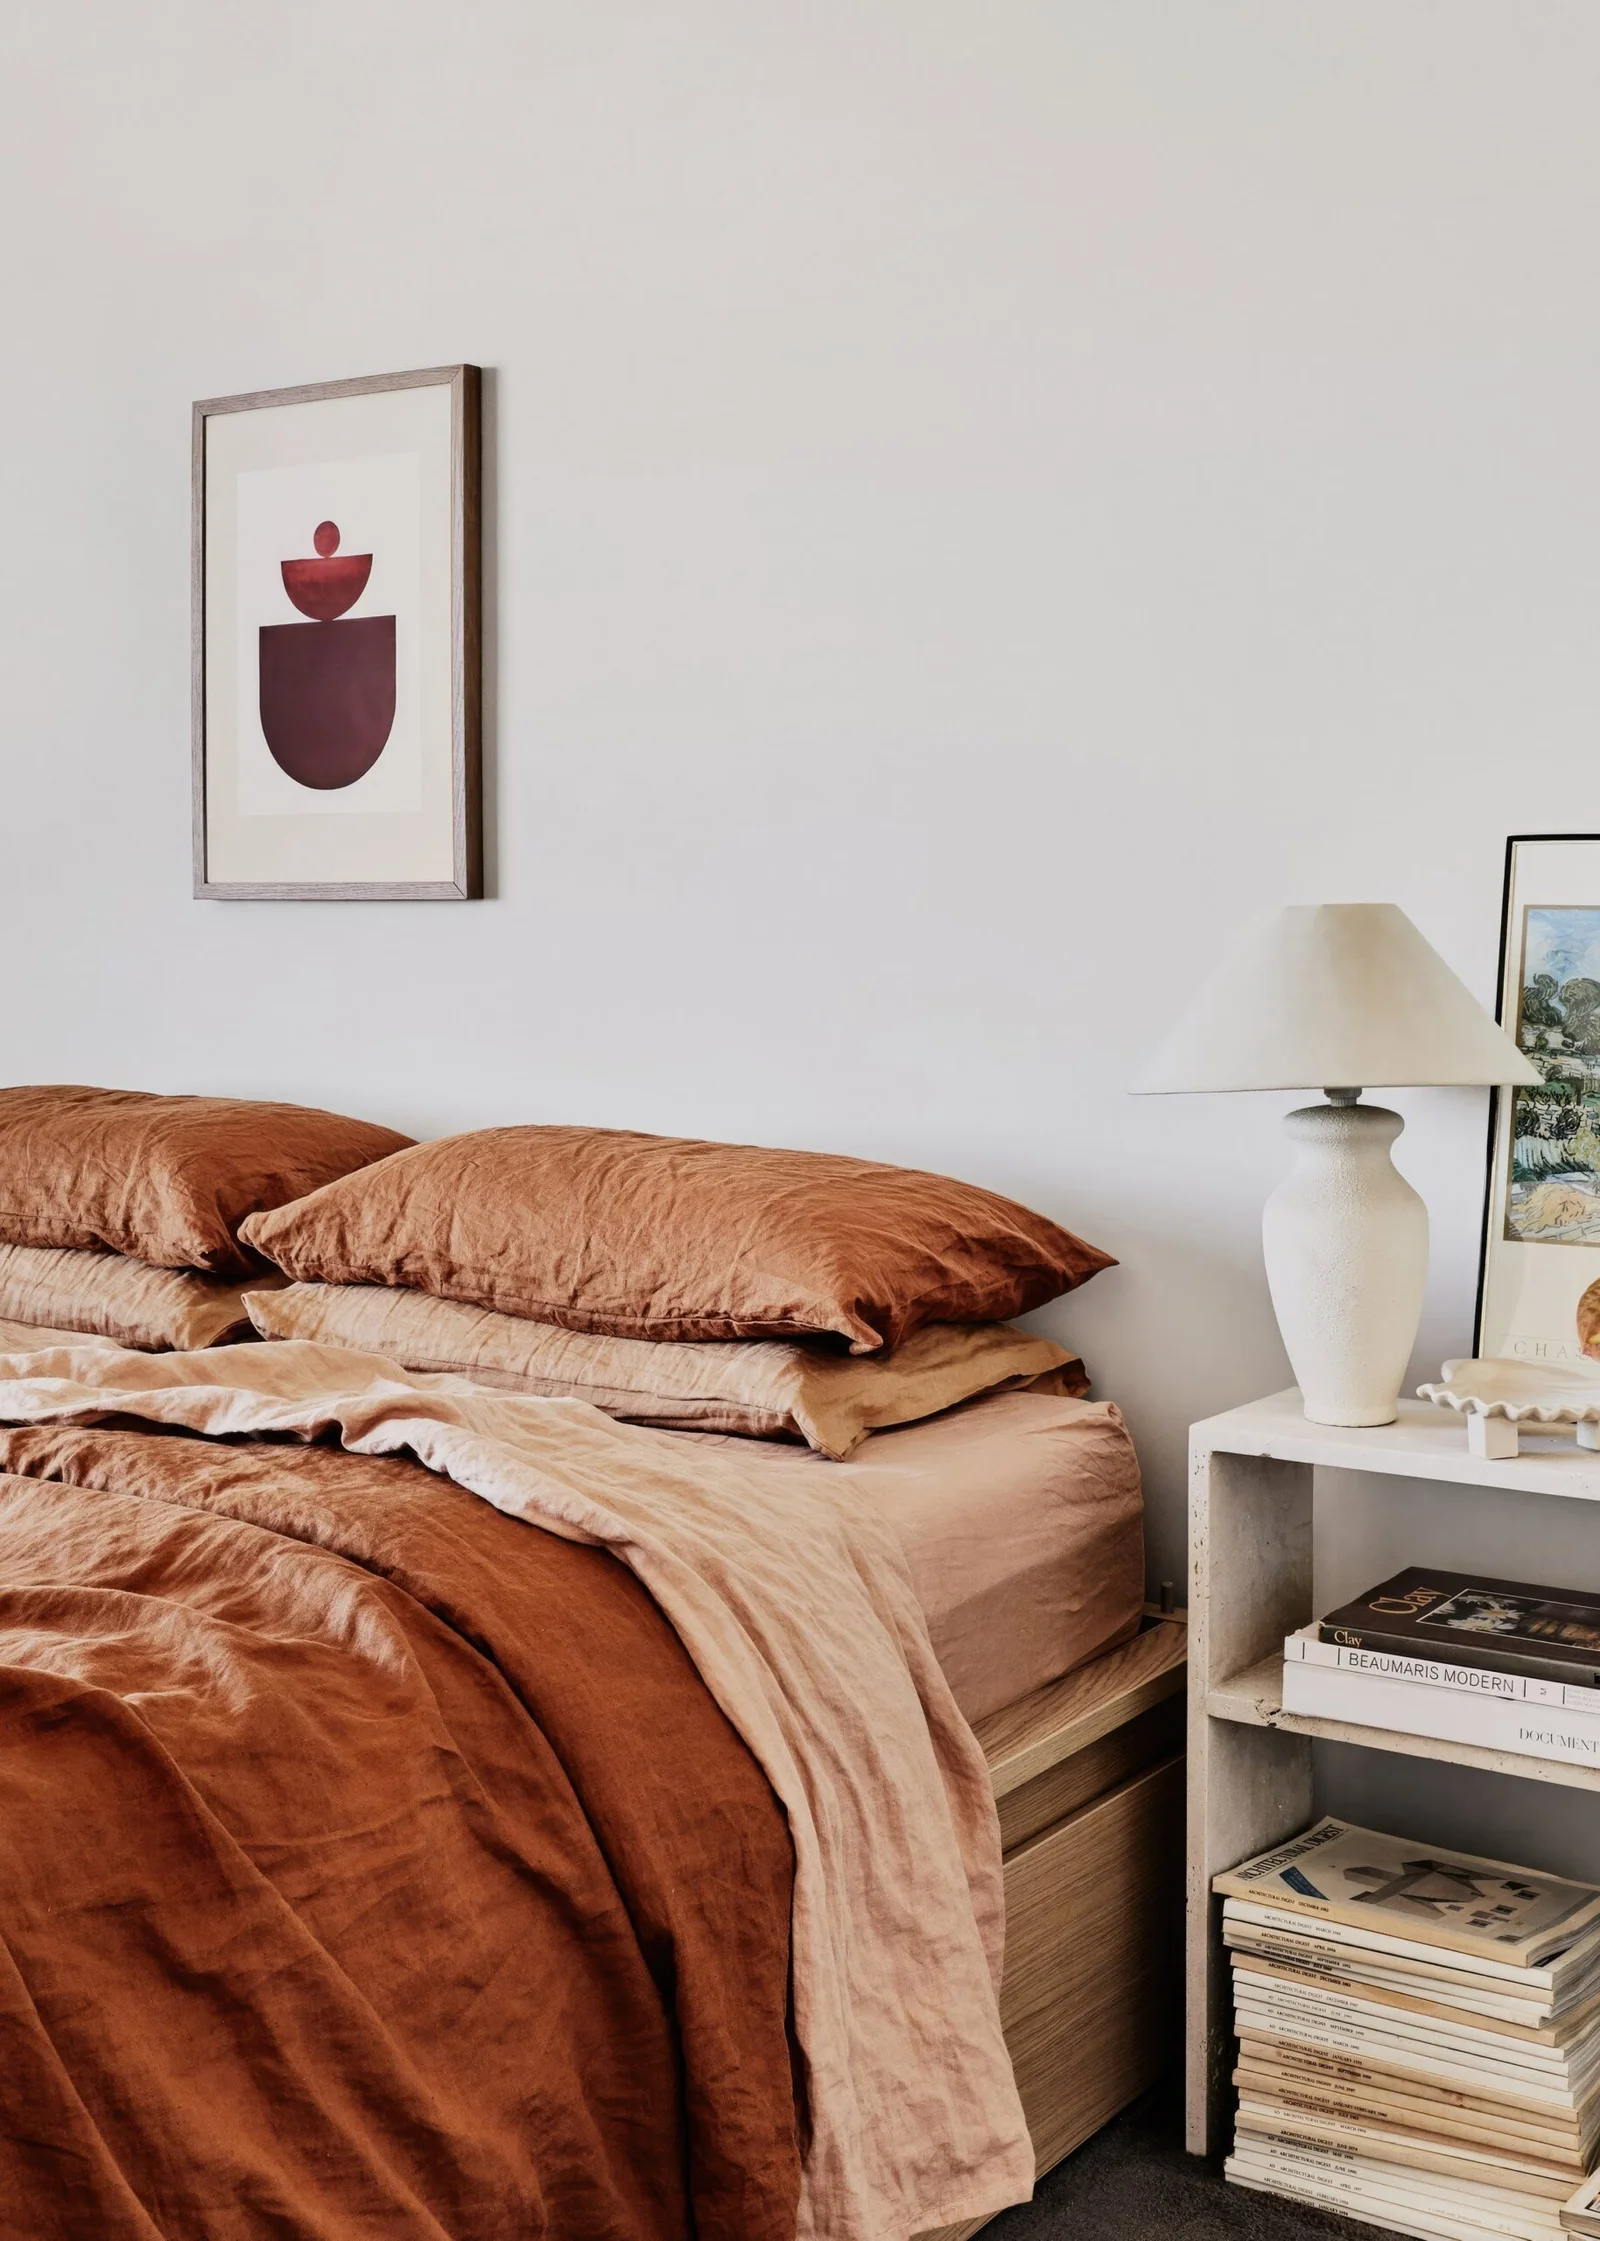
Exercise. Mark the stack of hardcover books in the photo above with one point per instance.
(1419, 2034)
(1458, 1658)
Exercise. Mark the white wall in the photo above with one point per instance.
(981, 497)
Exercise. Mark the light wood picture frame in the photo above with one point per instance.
(1541, 1226)
(336, 654)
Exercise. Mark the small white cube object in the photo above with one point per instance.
(1495, 1437)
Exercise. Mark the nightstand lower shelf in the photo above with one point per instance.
(1255, 1699)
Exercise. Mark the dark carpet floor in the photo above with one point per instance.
(1133, 2182)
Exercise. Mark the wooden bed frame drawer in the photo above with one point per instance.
(1091, 2002)
(1088, 1774)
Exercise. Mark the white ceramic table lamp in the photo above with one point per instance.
(1342, 997)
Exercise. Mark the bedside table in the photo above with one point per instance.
(1250, 1489)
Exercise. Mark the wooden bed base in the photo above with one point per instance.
(1089, 1776)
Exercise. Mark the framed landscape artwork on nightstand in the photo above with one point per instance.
(336, 660)
(1541, 1242)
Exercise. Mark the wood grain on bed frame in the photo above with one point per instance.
(1089, 1777)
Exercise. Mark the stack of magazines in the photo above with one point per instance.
(1458, 1658)
(1419, 2034)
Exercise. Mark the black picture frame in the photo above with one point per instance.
(1503, 996)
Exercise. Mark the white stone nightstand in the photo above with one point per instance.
(1250, 1483)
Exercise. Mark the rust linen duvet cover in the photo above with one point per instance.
(363, 1869)
(378, 1854)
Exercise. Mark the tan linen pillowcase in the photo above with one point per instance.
(771, 1389)
(30, 1338)
(165, 1179)
(660, 1238)
(106, 1295)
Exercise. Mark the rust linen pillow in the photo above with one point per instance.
(656, 1237)
(165, 1179)
(109, 1296)
(771, 1389)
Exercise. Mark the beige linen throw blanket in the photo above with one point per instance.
(795, 1604)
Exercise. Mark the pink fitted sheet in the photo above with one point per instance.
(1022, 1519)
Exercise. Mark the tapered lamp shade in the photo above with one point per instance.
(1332, 995)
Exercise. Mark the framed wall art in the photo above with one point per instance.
(1541, 1241)
(336, 640)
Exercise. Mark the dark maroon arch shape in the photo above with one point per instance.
(327, 697)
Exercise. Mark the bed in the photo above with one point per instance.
(369, 1861)
(1085, 1765)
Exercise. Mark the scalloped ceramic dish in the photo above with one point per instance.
(1498, 1396)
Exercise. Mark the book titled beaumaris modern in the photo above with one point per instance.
(1546, 1633)
(1308, 1647)
(1463, 1704)
(1419, 2034)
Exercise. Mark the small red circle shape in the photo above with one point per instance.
(326, 538)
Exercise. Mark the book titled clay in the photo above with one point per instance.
(1505, 1625)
